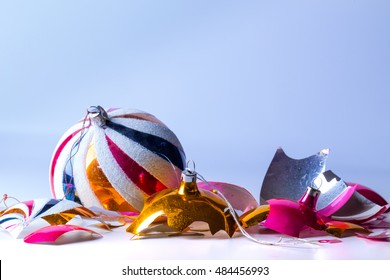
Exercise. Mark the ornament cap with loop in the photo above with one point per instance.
(98, 115)
(310, 197)
(188, 186)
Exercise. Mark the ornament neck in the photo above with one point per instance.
(188, 186)
(310, 197)
(98, 115)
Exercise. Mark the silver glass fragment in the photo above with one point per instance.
(289, 178)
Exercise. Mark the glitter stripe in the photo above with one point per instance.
(136, 173)
(139, 116)
(157, 145)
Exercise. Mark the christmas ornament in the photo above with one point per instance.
(289, 216)
(184, 206)
(292, 217)
(24, 217)
(288, 178)
(115, 159)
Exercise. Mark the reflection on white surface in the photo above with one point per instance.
(118, 246)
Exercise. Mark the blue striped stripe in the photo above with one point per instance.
(47, 206)
(156, 144)
(8, 219)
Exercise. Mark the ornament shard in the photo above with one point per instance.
(240, 198)
(184, 206)
(17, 218)
(52, 234)
(290, 217)
(288, 178)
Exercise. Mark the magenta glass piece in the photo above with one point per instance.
(240, 198)
(330, 241)
(129, 213)
(382, 221)
(377, 204)
(50, 234)
(290, 217)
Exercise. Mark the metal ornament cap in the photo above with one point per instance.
(98, 115)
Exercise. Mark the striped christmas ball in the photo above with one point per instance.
(115, 159)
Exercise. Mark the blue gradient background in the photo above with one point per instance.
(233, 79)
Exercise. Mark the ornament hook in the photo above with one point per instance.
(188, 164)
(188, 174)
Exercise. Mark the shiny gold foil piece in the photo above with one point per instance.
(58, 219)
(16, 210)
(182, 207)
(338, 228)
(64, 217)
(254, 216)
